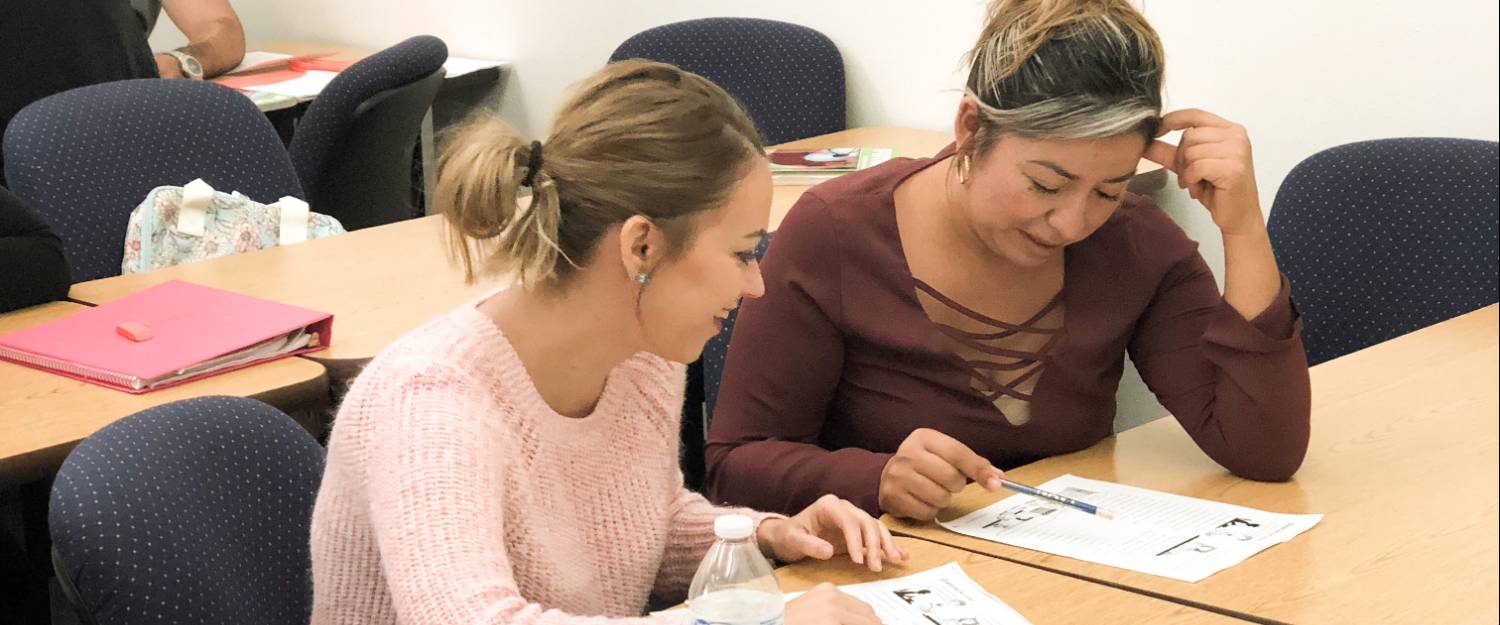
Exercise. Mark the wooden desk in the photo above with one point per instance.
(378, 283)
(1042, 597)
(42, 416)
(1402, 464)
(911, 142)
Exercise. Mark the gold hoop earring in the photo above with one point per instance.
(963, 169)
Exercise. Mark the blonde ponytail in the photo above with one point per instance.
(492, 229)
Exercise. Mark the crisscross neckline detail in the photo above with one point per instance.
(998, 372)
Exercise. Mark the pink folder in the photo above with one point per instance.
(195, 332)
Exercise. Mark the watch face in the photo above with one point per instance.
(190, 66)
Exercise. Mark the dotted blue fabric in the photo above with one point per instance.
(197, 511)
(1379, 238)
(717, 347)
(86, 157)
(327, 120)
(789, 78)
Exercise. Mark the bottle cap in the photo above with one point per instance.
(733, 527)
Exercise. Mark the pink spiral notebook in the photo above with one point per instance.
(174, 332)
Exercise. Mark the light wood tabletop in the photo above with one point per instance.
(295, 47)
(1043, 598)
(378, 283)
(43, 415)
(913, 143)
(1402, 464)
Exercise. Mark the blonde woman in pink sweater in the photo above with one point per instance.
(515, 461)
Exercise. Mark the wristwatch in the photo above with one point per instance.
(190, 66)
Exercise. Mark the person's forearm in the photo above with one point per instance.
(1251, 279)
(221, 50)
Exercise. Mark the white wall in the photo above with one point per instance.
(901, 63)
(1302, 76)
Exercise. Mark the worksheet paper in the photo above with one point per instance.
(940, 596)
(1152, 532)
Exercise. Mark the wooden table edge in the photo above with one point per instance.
(311, 393)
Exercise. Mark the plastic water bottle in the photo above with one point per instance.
(734, 585)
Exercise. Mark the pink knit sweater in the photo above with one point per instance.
(455, 495)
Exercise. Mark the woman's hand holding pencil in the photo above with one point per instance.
(927, 470)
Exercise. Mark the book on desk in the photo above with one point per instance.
(169, 334)
(804, 166)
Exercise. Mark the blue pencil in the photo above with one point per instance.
(1067, 501)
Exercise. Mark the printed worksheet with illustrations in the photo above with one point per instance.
(939, 596)
(1152, 532)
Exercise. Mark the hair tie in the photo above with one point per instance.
(533, 164)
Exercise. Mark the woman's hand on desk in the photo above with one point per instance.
(927, 470)
(827, 605)
(828, 527)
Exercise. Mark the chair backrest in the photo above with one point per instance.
(1379, 238)
(86, 157)
(789, 78)
(197, 511)
(353, 148)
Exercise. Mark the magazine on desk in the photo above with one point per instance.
(812, 166)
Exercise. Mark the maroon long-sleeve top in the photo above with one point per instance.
(838, 363)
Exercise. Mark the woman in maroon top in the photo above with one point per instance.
(929, 320)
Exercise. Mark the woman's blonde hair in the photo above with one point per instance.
(635, 138)
(1065, 69)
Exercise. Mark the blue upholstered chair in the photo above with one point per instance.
(1379, 238)
(789, 78)
(353, 148)
(86, 157)
(197, 511)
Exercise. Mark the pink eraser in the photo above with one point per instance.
(134, 330)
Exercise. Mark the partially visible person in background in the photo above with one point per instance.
(33, 269)
(216, 40)
(51, 46)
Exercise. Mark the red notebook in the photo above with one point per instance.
(166, 335)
